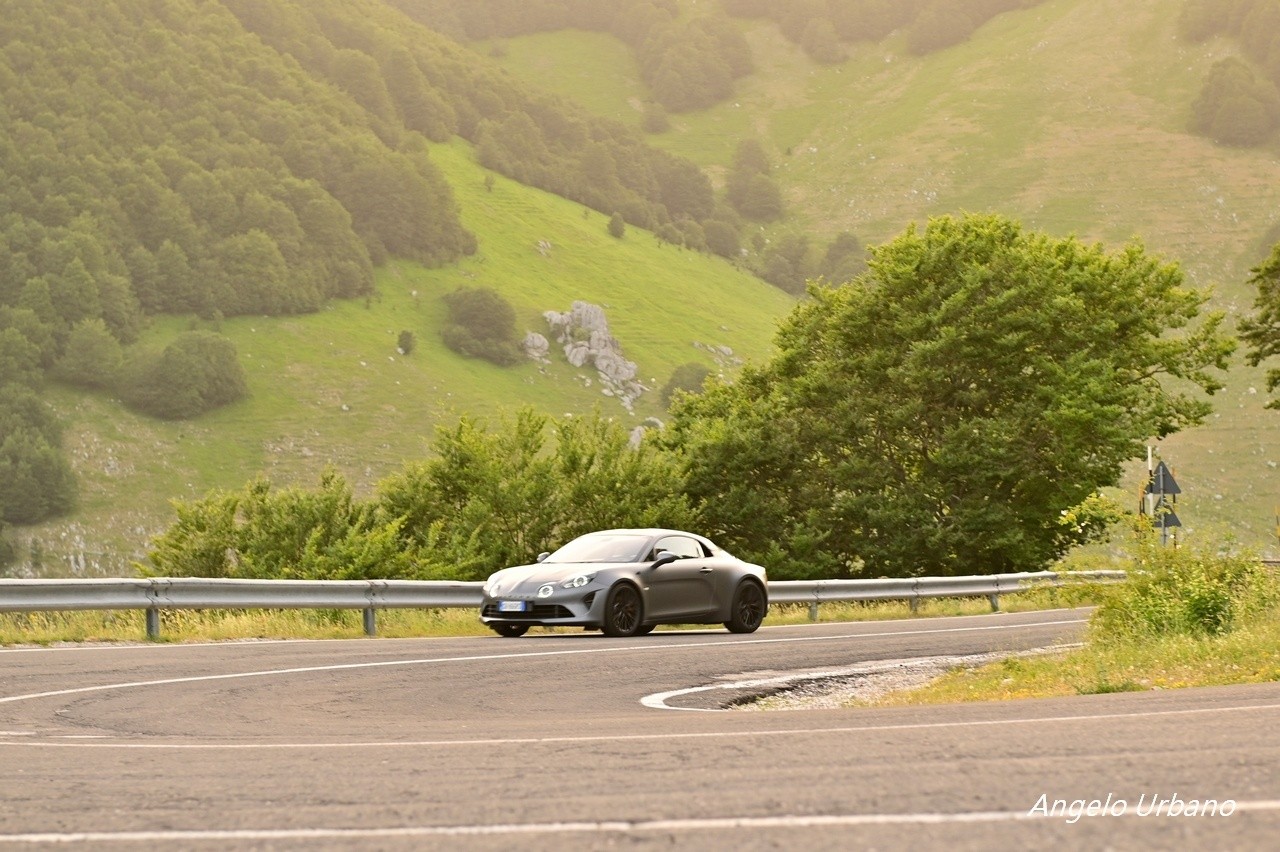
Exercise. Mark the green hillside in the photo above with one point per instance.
(1070, 116)
(330, 388)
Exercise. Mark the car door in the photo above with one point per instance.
(684, 587)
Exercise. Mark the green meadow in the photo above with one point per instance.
(331, 389)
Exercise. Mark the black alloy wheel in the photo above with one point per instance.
(748, 608)
(622, 611)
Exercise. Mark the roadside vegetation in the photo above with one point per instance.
(1186, 617)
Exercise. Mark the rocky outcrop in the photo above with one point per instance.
(583, 332)
(536, 346)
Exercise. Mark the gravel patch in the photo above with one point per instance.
(837, 688)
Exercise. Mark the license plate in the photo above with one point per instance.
(512, 606)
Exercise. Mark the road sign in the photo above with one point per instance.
(1162, 481)
(1163, 514)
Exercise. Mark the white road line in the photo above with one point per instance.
(617, 649)
(601, 827)
(230, 644)
(615, 738)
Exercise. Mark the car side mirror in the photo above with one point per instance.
(665, 557)
(542, 557)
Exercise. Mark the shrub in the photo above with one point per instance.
(273, 533)
(481, 324)
(688, 378)
(1184, 591)
(197, 372)
(489, 498)
(1234, 106)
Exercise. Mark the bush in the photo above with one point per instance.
(688, 378)
(481, 324)
(268, 533)
(489, 498)
(197, 372)
(1234, 106)
(1183, 591)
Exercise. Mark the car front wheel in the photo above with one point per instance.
(622, 611)
(748, 608)
(511, 631)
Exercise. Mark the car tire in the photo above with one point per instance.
(645, 629)
(748, 608)
(511, 631)
(623, 611)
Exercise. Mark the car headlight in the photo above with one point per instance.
(491, 586)
(577, 581)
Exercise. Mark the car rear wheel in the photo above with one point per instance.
(748, 608)
(511, 631)
(622, 611)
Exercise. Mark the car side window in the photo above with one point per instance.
(685, 548)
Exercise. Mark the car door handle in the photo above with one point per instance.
(704, 570)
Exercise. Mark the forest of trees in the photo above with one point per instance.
(238, 157)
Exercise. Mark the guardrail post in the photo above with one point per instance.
(995, 601)
(370, 621)
(153, 623)
(813, 610)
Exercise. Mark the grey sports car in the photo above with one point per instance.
(625, 582)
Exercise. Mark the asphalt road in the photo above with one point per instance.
(575, 741)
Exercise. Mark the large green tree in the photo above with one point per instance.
(1262, 330)
(940, 413)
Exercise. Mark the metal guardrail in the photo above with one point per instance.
(913, 590)
(168, 593)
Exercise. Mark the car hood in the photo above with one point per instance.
(525, 579)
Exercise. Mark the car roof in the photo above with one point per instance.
(648, 531)
(659, 532)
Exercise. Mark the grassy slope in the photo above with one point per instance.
(1068, 116)
(304, 370)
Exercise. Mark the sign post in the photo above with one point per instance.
(1160, 496)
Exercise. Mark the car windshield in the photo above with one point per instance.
(602, 548)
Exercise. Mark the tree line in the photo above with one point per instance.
(823, 28)
(953, 409)
(686, 63)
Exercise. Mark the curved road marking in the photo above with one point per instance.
(619, 649)
(703, 735)
(602, 827)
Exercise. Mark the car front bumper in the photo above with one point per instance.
(565, 607)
